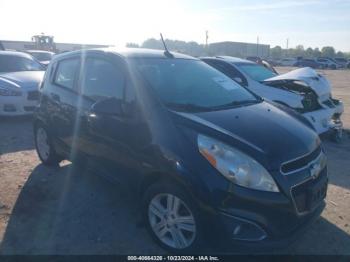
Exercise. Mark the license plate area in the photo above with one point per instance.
(316, 194)
(309, 194)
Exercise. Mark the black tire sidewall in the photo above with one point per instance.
(52, 159)
(178, 191)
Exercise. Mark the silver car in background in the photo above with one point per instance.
(44, 57)
(20, 78)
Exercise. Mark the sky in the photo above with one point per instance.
(311, 23)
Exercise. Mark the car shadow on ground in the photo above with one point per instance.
(338, 160)
(16, 134)
(70, 210)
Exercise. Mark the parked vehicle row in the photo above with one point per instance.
(318, 63)
(207, 157)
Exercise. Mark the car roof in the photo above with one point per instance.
(230, 59)
(127, 53)
(16, 53)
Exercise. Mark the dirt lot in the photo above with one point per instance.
(69, 210)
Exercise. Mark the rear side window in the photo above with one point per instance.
(66, 72)
(102, 79)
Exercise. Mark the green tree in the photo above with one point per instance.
(328, 51)
(276, 52)
(340, 54)
(317, 52)
(299, 50)
(309, 52)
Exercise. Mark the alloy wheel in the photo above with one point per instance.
(172, 221)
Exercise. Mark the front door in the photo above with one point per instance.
(110, 139)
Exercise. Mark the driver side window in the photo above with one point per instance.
(101, 80)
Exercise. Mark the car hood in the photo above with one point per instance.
(262, 130)
(318, 83)
(24, 80)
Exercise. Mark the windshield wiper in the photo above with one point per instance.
(188, 107)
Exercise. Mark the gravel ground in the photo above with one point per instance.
(69, 210)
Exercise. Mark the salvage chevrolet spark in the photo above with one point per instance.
(206, 158)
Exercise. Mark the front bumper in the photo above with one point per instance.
(272, 242)
(327, 118)
(254, 219)
(19, 105)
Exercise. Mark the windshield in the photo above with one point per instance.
(255, 71)
(42, 56)
(192, 84)
(13, 63)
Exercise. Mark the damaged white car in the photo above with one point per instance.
(303, 90)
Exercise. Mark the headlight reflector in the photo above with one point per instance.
(235, 165)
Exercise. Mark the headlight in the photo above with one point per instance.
(235, 165)
(9, 92)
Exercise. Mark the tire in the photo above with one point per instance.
(165, 226)
(44, 146)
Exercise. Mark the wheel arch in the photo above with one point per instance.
(176, 179)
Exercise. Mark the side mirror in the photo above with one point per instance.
(109, 106)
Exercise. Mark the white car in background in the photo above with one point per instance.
(288, 62)
(303, 90)
(20, 77)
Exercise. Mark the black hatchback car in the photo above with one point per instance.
(206, 158)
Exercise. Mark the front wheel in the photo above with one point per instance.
(44, 146)
(172, 218)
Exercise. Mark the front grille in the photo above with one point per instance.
(33, 95)
(300, 162)
(309, 194)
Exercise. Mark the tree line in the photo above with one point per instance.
(326, 51)
(277, 52)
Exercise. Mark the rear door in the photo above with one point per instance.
(63, 101)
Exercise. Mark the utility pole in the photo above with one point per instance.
(206, 38)
(206, 49)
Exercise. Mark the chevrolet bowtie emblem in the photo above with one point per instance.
(315, 170)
